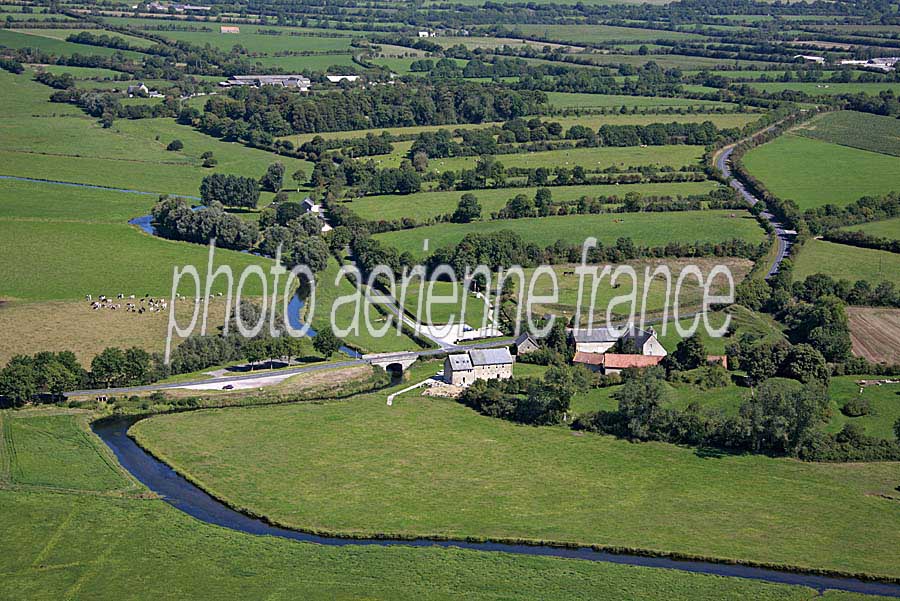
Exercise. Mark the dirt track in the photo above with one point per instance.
(875, 332)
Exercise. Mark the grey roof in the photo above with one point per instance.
(490, 356)
(524, 337)
(460, 361)
(308, 203)
(607, 334)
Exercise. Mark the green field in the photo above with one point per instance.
(65, 542)
(645, 229)
(815, 173)
(15, 39)
(596, 34)
(62, 34)
(827, 88)
(432, 466)
(425, 205)
(858, 130)
(564, 100)
(844, 262)
(887, 228)
(259, 43)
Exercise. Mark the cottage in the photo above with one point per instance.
(613, 363)
(601, 340)
(309, 206)
(463, 369)
(525, 344)
(138, 89)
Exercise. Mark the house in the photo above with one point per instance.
(426, 34)
(340, 78)
(297, 82)
(462, 369)
(601, 340)
(613, 363)
(810, 58)
(138, 89)
(229, 29)
(309, 206)
(525, 344)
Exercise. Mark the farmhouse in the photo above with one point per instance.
(613, 363)
(463, 369)
(601, 340)
(297, 82)
(525, 344)
(309, 206)
(139, 89)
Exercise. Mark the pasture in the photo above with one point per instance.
(827, 88)
(15, 39)
(815, 173)
(844, 262)
(426, 205)
(645, 229)
(865, 131)
(429, 464)
(886, 228)
(565, 100)
(602, 34)
(74, 540)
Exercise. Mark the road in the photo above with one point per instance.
(783, 237)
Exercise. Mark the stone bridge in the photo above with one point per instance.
(392, 361)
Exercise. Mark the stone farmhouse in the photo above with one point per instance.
(601, 340)
(462, 369)
(613, 363)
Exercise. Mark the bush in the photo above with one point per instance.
(175, 145)
(856, 407)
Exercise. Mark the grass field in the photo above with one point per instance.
(62, 34)
(815, 173)
(844, 262)
(259, 43)
(15, 39)
(594, 34)
(858, 130)
(887, 228)
(563, 100)
(645, 229)
(827, 88)
(71, 542)
(432, 466)
(424, 205)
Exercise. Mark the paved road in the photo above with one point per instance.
(267, 374)
(783, 238)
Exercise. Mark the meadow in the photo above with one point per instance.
(15, 39)
(564, 100)
(425, 205)
(828, 88)
(73, 540)
(434, 467)
(865, 131)
(844, 262)
(259, 43)
(645, 229)
(598, 34)
(887, 228)
(815, 173)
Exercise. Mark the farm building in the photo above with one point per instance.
(525, 344)
(463, 369)
(810, 58)
(297, 82)
(139, 89)
(229, 29)
(613, 363)
(601, 340)
(309, 206)
(340, 78)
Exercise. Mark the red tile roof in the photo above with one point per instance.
(617, 361)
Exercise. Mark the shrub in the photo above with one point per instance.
(856, 407)
(175, 145)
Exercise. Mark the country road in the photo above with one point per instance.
(783, 237)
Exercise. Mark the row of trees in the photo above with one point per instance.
(174, 219)
(231, 190)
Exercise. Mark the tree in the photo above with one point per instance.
(781, 415)
(641, 399)
(273, 179)
(138, 368)
(299, 177)
(467, 210)
(897, 428)
(175, 145)
(690, 353)
(18, 383)
(229, 190)
(326, 343)
(806, 364)
(109, 366)
(59, 379)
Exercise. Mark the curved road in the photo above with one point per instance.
(783, 237)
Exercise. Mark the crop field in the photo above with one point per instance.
(865, 131)
(844, 262)
(887, 228)
(57, 542)
(645, 229)
(425, 205)
(827, 88)
(815, 173)
(689, 300)
(748, 506)
(598, 34)
(873, 332)
(563, 100)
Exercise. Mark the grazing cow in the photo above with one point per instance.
(87, 297)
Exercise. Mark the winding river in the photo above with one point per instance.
(178, 492)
